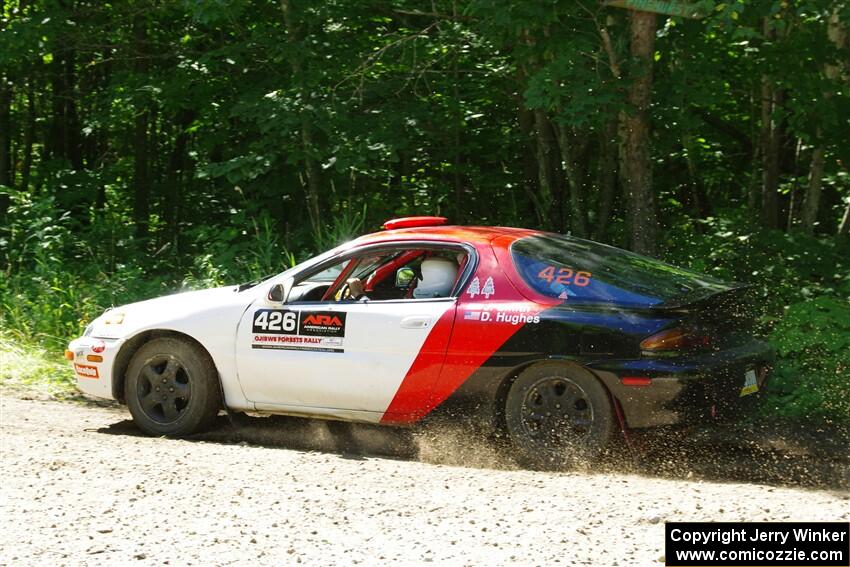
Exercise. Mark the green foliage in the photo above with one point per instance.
(784, 267)
(55, 283)
(803, 305)
(342, 228)
(813, 376)
(30, 367)
(820, 327)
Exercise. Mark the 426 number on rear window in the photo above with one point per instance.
(565, 276)
(275, 321)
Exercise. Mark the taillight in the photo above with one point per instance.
(636, 381)
(675, 339)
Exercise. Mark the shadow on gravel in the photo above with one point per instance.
(777, 454)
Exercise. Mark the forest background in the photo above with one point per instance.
(152, 146)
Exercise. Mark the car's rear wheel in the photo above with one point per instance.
(558, 417)
(172, 388)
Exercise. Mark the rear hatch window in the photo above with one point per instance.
(577, 270)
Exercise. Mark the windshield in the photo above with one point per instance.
(578, 270)
(365, 266)
(300, 267)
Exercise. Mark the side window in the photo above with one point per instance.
(387, 275)
(328, 275)
(314, 287)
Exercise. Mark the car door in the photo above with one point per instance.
(330, 355)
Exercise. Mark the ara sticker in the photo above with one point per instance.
(476, 289)
(322, 323)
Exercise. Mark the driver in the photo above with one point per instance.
(356, 289)
(438, 278)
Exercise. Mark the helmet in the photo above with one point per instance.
(438, 278)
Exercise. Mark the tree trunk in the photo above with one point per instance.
(794, 197)
(63, 141)
(635, 152)
(141, 166)
(457, 124)
(700, 204)
(812, 202)
(141, 181)
(5, 132)
(754, 184)
(529, 182)
(72, 140)
(53, 144)
(178, 164)
(5, 143)
(313, 185)
(29, 136)
(844, 227)
(607, 177)
(548, 170)
(573, 157)
(769, 158)
(100, 149)
(838, 36)
(836, 32)
(769, 147)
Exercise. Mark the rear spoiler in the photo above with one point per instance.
(690, 301)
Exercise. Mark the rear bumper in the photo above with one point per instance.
(689, 389)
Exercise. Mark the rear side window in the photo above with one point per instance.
(578, 270)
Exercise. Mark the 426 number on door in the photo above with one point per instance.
(278, 321)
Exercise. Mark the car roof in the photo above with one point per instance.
(469, 234)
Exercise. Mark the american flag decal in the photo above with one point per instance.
(472, 315)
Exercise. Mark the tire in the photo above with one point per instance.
(558, 417)
(172, 388)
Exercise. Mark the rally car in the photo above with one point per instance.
(562, 343)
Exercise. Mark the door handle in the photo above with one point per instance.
(416, 322)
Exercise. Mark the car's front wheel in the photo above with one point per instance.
(558, 417)
(172, 388)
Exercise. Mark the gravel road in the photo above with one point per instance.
(82, 487)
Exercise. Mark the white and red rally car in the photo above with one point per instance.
(561, 342)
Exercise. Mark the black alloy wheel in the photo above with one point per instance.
(558, 416)
(172, 388)
(164, 390)
(557, 413)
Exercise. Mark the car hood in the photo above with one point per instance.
(160, 311)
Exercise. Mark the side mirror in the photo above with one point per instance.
(403, 277)
(280, 291)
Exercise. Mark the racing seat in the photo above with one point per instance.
(438, 278)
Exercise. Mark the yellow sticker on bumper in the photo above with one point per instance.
(751, 386)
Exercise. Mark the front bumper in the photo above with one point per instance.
(92, 360)
(689, 389)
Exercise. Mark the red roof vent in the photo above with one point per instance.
(409, 222)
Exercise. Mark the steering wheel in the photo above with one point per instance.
(344, 292)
